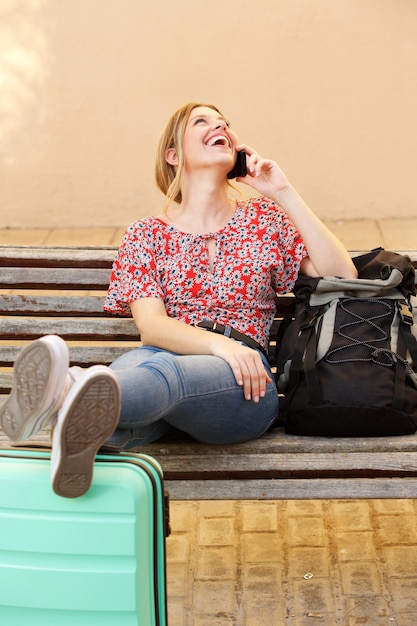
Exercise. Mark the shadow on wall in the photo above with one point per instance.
(23, 72)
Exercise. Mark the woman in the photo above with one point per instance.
(199, 281)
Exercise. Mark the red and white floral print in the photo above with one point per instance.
(258, 254)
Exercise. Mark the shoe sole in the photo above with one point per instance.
(88, 417)
(39, 377)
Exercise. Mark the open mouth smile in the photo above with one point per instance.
(219, 140)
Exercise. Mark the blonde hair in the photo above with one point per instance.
(168, 178)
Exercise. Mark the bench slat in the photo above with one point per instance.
(58, 304)
(53, 305)
(83, 356)
(62, 278)
(280, 467)
(47, 256)
(70, 328)
(278, 443)
(296, 489)
(289, 465)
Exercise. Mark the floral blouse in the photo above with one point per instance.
(258, 254)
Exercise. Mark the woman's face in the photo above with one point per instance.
(208, 140)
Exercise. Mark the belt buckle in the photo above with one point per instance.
(212, 329)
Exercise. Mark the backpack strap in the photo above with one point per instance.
(410, 341)
(304, 354)
(399, 377)
(406, 322)
(285, 322)
(406, 341)
(310, 370)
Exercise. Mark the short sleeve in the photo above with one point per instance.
(133, 274)
(292, 250)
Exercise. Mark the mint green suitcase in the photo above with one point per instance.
(97, 560)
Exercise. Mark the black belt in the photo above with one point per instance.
(221, 329)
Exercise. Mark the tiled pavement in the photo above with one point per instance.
(286, 563)
(293, 563)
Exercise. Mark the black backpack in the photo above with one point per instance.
(347, 352)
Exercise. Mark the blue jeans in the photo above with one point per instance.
(197, 394)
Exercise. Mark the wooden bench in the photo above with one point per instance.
(61, 290)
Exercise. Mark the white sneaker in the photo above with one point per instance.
(39, 381)
(88, 416)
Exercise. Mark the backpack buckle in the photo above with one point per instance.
(406, 312)
(310, 322)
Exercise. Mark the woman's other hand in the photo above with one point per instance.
(247, 367)
(263, 175)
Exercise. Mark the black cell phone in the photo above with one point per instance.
(239, 168)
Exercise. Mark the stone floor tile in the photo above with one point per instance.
(361, 578)
(219, 563)
(177, 547)
(258, 612)
(355, 546)
(305, 561)
(80, 237)
(304, 507)
(215, 598)
(312, 596)
(177, 614)
(401, 561)
(357, 234)
(177, 580)
(395, 506)
(262, 578)
(307, 531)
(399, 233)
(259, 516)
(261, 548)
(215, 532)
(404, 591)
(372, 610)
(118, 236)
(262, 594)
(391, 532)
(407, 619)
(217, 508)
(262, 581)
(183, 515)
(352, 515)
(24, 236)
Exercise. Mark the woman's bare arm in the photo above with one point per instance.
(161, 331)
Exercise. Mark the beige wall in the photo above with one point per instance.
(328, 88)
